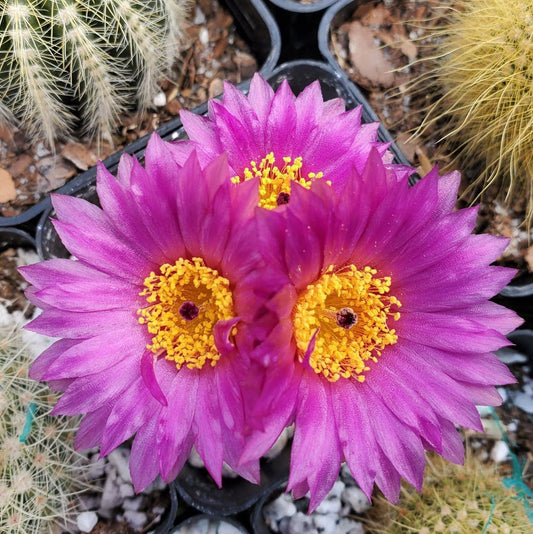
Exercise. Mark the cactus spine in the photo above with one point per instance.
(69, 61)
(483, 73)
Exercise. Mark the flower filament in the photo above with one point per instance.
(344, 313)
(275, 182)
(185, 301)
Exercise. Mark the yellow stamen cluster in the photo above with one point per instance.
(345, 351)
(275, 181)
(184, 340)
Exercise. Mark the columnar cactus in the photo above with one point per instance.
(40, 472)
(66, 61)
(483, 73)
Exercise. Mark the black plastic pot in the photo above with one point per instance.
(15, 237)
(333, 17)
(255, 24)
(196, 487)
(298, 23)
(518, 296)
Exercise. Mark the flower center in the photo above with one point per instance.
(275, 182)
(185, 302)
(344, 313)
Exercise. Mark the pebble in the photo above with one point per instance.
(160, 99)
(281, 507)
(199, 17)
(509, 355)
(110, 494)
(349, 526)
(524, 402)
(357, 500)
(299, 524)
(203, 36)
(206, 526)
(136, 519)
(86, 521)
(326, 523)
(500, 452)
(119, 459)
(135, 504)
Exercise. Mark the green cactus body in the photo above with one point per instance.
(40, 473)
(484, 75)
(71, 63)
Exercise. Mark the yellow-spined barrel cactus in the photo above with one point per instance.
(484, 75)
(66, 63)
(40, 473)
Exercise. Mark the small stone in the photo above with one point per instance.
(203, 36)
(41, 150)
(160, 99)
(300, 523)
(279, 508)
(346, 475)
(136, 519)
(134, 504)
(119, 458)
(524, 402)
(223, 527)
(96, 468)
(86, 521)
(194, 459)
(329, 506)
(509, 355)
(199, 17)
(355, 497)
(332, 502)
(126, 490)
(500, 452)
(349, 526)
(326, 523)
(110, 494)
(280, 444)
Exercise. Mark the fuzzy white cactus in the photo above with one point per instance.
(64, 62)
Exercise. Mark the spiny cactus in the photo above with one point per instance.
(483, 73)
(64, 62)
(469, 499)
(40, 473)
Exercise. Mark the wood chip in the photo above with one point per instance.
(7, 186)
(529, 258)
(216, 87)
(20, 164)
(425, 163)
(80, 155)
(406, 145)
(369, 61)
(56, 171)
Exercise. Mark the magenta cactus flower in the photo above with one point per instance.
(353, 306)
(277, 138)
(385, 333)
(150, 313)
